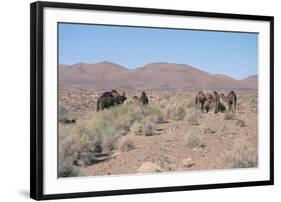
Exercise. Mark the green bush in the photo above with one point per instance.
(193, 139)
(99, 132)
(144, 127)
(67, 168)
(177, 113)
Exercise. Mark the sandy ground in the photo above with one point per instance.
(221, 143)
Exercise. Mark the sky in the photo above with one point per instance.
(228, 53)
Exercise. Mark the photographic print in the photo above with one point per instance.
(128, 100)
(144, 100)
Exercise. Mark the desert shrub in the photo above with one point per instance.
(193, 139)
(165, 96)
(177, 113)
(127, 145)
(194, 116)
(96, 133)
(241, 159)
(99, 133)
(254, 101)
(67, 168)
(68, 148)
(108, 125)
(190, 104)
(240, 123)
(229, 116)
(227, 130)
(63, 115)
(153, 113)
(144, 127)
(62, 112)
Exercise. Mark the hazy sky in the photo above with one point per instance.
(232, 54)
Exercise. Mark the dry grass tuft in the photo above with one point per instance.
(229, 116)
(144, 127)
(177, 113)
(194, 116)
(127, 145)
(240, 123)
(193, 139)
(241, 159)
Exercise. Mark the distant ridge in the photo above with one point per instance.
(152, 76)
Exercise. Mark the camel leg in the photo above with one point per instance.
(216, 107)
(98, 105)
(202, 109)
(232, 108)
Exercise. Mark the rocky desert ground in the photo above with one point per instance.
(167, 135)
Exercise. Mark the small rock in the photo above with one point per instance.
(78, 163)
(209, 131)
(149, 167)
(187, 163)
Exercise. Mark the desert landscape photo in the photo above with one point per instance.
(147, 100)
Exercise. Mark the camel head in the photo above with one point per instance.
(115, 93)
(222, 96)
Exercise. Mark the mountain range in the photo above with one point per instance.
(153, 76)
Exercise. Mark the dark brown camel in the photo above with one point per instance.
(200, 99)
(231, 100)
(110, 99)
(143, 98)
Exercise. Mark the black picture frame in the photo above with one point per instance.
(36, 99)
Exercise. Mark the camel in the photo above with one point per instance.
(231, 100)
(207, 104)
(135, 98)
(200, 99)
(216, 100)
(109, 99)
(143, 98)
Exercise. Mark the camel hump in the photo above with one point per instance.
(107, 94)
(231, 93)
(115, 93)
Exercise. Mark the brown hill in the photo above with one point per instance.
(153, 76)
(251, 81)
